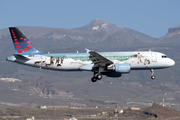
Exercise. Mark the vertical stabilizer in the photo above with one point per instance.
(21, 43)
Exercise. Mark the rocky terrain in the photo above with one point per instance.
(154, 112)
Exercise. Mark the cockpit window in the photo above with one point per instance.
(163, 56)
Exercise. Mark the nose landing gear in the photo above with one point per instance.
(96, 77)
(152, 74)
(153, 77)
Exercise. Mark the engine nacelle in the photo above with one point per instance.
(120, 68)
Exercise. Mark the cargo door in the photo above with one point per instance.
(43, 59)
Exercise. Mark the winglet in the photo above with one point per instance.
(87, 50)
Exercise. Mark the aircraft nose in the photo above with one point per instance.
(171, 62)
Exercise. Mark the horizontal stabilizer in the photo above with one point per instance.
(20, 57)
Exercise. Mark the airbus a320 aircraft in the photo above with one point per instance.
(111, 64)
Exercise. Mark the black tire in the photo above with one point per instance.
(93, 79)
(153, 77)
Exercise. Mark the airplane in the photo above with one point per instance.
(110, 64)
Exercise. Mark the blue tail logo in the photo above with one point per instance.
(21, 44)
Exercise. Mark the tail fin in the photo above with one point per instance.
(21, 44)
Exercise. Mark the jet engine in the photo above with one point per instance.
(120, 68)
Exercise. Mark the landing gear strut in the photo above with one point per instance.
(96, 77)
(152, 74)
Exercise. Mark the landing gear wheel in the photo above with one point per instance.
(99, 77)
(152, 74)
(93, 79)
(153, 77)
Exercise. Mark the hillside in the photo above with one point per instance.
(86, 36)
(172, 37)
(162, 112)
(154, 112)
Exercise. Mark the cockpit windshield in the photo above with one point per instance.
(163, 56)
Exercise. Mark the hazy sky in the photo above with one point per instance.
(151, 17)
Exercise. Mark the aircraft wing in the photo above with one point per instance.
(98, 60)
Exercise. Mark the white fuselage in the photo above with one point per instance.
(80, 61)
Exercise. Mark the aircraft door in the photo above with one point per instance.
(43, 59)
(154, 58)
(48, 61)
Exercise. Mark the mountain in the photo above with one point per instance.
(96, 34)
(93, 25)
(172, 37)
(124, 38)
(99, 25)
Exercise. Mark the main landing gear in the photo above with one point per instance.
(152, 74)
(96, 77)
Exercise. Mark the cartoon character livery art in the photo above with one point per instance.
(110, 64)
